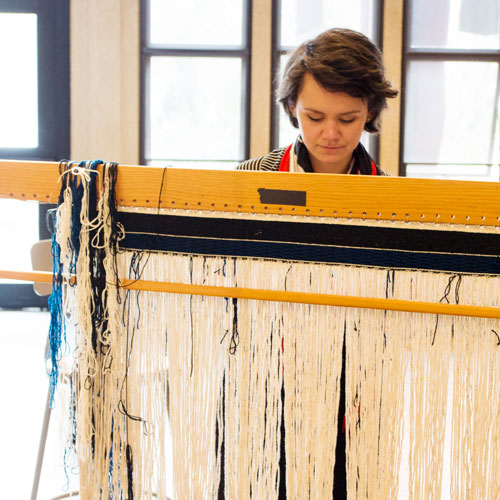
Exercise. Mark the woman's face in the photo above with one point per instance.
(331, 124)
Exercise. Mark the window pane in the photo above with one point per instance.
(196, 22)
(205, 164)
(195, 109)
(301, 20)
(452, 113)
(455, 172)
(455, 24)
(18, 84)
(287, 132)
(18, 232)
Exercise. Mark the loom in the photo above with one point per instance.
(226, 307)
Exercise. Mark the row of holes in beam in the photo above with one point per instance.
(335, 213)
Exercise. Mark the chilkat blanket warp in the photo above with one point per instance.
(197, 396)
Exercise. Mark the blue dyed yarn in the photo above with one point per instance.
(57, 329)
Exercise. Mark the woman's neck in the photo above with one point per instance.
(329, 168)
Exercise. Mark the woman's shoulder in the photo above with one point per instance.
(270, 162)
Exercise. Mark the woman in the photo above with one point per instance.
(333, 87)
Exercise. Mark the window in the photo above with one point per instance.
(19, 96)
(34, 123)
(452, 89)
(195, 66)
(443, 55)
(196, 73)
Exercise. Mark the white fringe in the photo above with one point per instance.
(166, 367)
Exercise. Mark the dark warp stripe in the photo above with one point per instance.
(371, 237)
(368, 257)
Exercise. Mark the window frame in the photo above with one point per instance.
(440, 55)
(243, 53)
(53, 81)
(53, 115)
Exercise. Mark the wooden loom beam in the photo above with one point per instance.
(381, 199)
(342, 196)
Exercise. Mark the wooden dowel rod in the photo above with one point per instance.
(34, 276)
(284, 296)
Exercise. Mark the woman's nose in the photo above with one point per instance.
(331, 130)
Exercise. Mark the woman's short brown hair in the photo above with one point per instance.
(340, 60)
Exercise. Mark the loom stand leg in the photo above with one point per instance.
(41, 448)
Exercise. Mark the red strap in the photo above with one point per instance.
(285, 161)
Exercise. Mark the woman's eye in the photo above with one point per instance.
(346, 120)
(314, 119)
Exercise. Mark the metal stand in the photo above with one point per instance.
(41, 448)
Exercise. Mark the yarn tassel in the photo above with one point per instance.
(57, 329)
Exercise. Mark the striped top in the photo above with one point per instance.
(271, 161)
(363, 163)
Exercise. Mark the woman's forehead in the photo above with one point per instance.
(313, 96)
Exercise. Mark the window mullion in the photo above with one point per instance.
(261, 80)
(453, 55)
(392, 42)
(195, 52)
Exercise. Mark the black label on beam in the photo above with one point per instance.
(282, 197)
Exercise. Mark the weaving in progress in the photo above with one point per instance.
(249, 389)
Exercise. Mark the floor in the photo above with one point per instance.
(23, 392)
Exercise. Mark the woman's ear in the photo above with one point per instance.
(292, 110)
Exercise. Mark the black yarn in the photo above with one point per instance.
(498, 336)
(235, 336)
(390, 279)
(130, 471)
(447, 291)
(63, 167)
(116, 232)
(96, 269)
(139, 272)
(134, 269)
(286, 276)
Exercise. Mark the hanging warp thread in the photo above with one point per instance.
(218, 378)
(86, 237)
(69, 204)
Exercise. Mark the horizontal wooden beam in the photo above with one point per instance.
(319, 195)
(283, 296)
